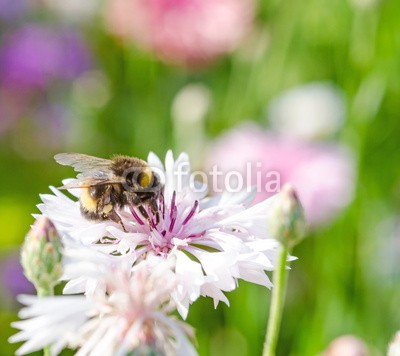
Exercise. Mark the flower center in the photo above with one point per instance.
(167, 228)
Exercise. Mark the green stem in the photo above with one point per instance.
(45, 292)
(46, 351)
(278, 296)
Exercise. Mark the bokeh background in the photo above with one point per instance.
(310, 89)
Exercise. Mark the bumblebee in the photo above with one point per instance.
(111, 184)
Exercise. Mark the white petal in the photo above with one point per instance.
(51, 319)
(154, 161)
(183, 347)
(220, 265)
(210, 290)
(255, 276)
(190, 277)
(253, 220)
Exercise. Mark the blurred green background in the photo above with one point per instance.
(345, 280)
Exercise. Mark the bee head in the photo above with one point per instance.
(143, 180)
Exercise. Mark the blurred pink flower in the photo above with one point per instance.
(323, 174)
(347, 345)
(187, 32)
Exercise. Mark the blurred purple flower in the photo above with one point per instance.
(13, 279)
(188, 32)
(12, 9)
(34, 55)
(323, 174)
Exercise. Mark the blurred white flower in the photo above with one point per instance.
(211, 242)
(135, 314)
(191, 104)
(363, 5)
(73, 10)
(311, 111)
(394, 346)
(383, 252)
(189, 110)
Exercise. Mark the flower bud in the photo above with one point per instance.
(287, 223)
(41, 255)
(144, 350)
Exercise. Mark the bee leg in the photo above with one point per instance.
(154, 210)
(136, 202)
(145, 215)
(116, 218)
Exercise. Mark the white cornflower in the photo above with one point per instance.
(212, 242)
(133, 315)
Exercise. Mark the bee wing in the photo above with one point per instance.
(93, 170)
(100, 174)
(90, 182)
(77, 183)
(83, 163)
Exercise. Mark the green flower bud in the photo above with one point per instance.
(41, 256)
(286, 222)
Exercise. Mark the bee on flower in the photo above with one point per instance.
(211, 242)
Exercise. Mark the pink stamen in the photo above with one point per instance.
(191, 213)
(151, 218)
(199, 234)
(174, 214)
(136, 216)
(162, 203)
(173, 206)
